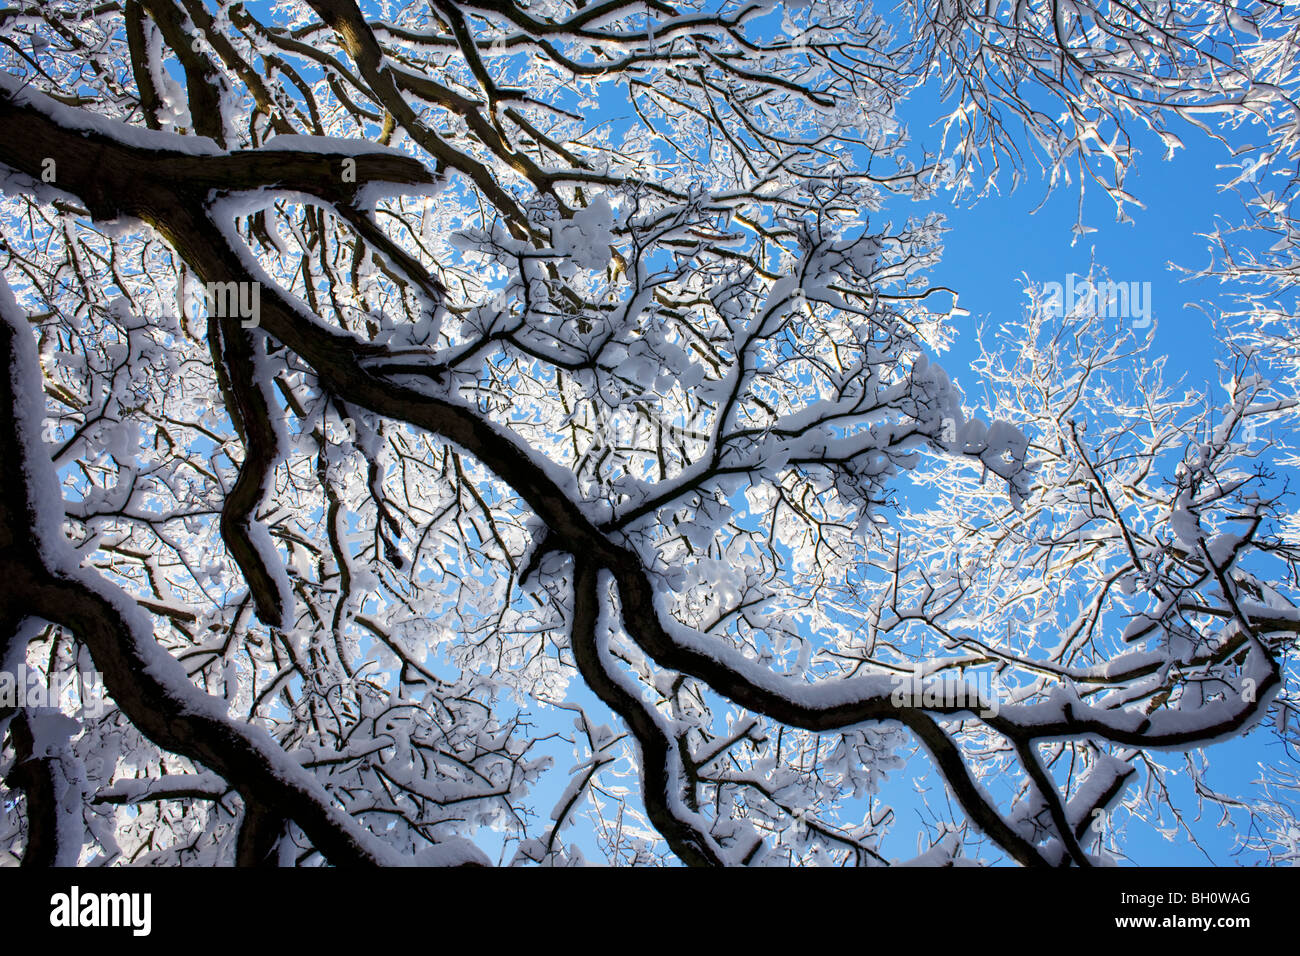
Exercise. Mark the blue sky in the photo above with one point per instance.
(995, 243)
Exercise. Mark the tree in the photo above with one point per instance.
(381, 381)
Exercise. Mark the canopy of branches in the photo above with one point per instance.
(417, 414)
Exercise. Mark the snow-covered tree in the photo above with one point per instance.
(394, 396)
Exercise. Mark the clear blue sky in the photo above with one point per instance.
(995, 243)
